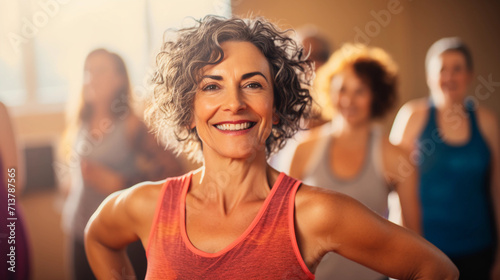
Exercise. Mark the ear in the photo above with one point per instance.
(193, 124)
(276, 119)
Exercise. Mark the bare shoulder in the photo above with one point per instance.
(141, 199)
(302, 155)
(409, 122)
(488, 124)
(415, 110)
(316, 207)
(132, 209)
(486, 118)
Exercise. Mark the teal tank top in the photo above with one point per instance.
(454, 189)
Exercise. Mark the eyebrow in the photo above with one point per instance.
(244, 76)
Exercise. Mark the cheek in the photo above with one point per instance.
(334, 97)
(266, 108)
(464, 79)
(203, 110)
(365, 102)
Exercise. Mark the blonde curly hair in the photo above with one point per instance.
(372, 64)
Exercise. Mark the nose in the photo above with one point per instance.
(446, 75)
(346, 99)
(234, 100)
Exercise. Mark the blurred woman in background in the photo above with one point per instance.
(107, 147)
(350, 154)
(11, 184)
(455, 144)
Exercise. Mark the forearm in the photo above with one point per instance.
(410, 204)
(428, 262)
(443, 269)
(108, 263)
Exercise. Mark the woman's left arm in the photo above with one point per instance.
(328, 221)
(489, 128)
(401, 173)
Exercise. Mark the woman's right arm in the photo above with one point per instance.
(123, 218)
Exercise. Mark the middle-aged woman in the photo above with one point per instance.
(455, 145)
(351, 155)
(230, 91)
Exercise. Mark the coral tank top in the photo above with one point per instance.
(266, 250)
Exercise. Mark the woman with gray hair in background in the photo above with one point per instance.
(455, 145)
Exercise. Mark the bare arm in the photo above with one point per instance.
(403, 175)
(329, 221)
(122, 218)
(489, 128)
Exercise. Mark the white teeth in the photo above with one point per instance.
(234, 127)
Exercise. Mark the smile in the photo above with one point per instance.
(235, 126)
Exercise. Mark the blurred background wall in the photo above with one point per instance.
(407, 33)
(404, 28)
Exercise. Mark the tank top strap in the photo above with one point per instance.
(318, 154)
(376, 151)
(432, 113)
(471, 109)
(167, 208)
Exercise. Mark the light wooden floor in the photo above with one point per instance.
(42, 215)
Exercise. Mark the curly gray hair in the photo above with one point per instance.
(179, 63)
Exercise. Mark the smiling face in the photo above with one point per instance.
(352, 97)
(233, 105)
(448, 76)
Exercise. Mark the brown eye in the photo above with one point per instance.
(210, 87)
(254, 85)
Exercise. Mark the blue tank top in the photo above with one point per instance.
(454, 189)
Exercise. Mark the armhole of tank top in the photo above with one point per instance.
(474, 123)
(431, 113)
(291, 226)
(159, 203)
(316, 156)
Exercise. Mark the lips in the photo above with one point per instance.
(234, 126)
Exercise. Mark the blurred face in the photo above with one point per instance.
(233, 106)
(352, 97)
(448, 76)
(101, 78)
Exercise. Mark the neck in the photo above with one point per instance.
(448, 106)
(229, 182)
(441, 101)
(355, 133)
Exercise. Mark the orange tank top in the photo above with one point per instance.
(266, 250)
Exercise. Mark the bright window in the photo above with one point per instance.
(44, 42)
